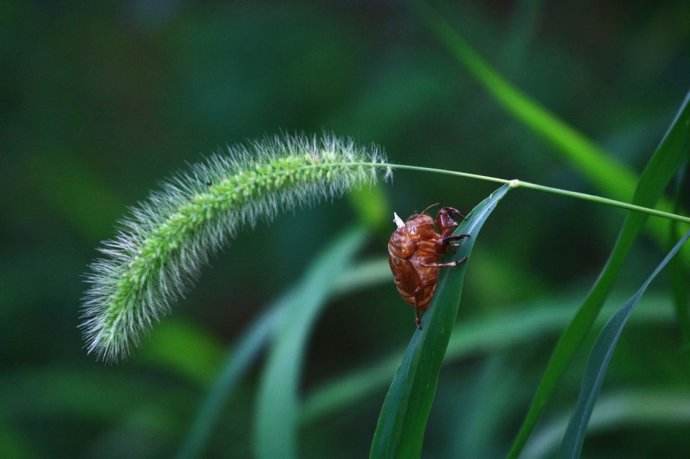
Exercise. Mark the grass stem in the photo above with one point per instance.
(515, 183)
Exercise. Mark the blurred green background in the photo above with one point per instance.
(101, 101)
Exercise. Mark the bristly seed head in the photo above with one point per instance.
(160, 247)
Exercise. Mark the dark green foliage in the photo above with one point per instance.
(599, 360)
(669, 156)
(100, 101)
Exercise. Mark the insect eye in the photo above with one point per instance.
(453, 212)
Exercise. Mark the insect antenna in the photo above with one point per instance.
(428, 207)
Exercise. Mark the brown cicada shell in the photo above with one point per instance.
(414, 252)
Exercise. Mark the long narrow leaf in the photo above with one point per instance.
(607, 174)
(402, 421)
(581, 152)
(185, 349)
(278, 404)
(679, 268)
(599, 362)
(668, 157)
(78, 393)
(248, 347)
(614, 411)
(519, 325)
(237, 363)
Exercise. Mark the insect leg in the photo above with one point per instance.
(452, 240)
(418, 318)
(449, 264)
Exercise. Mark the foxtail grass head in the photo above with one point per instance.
(164, 241)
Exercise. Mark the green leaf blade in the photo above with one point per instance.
(583, 154)
(236, 365)
(518, 326)
(678, 267)
(249, 346)
(637, 408)
(277, 412)
(599, 360)
(402, 421)
(666, 160)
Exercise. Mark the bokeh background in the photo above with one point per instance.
(100, 101)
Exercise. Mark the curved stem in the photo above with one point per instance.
(515, 183)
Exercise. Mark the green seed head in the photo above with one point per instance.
(165, 240)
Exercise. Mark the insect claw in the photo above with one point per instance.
(461, 261)
(448, 264)
(452, 239)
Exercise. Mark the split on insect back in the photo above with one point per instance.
(160, 247)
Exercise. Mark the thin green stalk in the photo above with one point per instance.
(516, 183)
